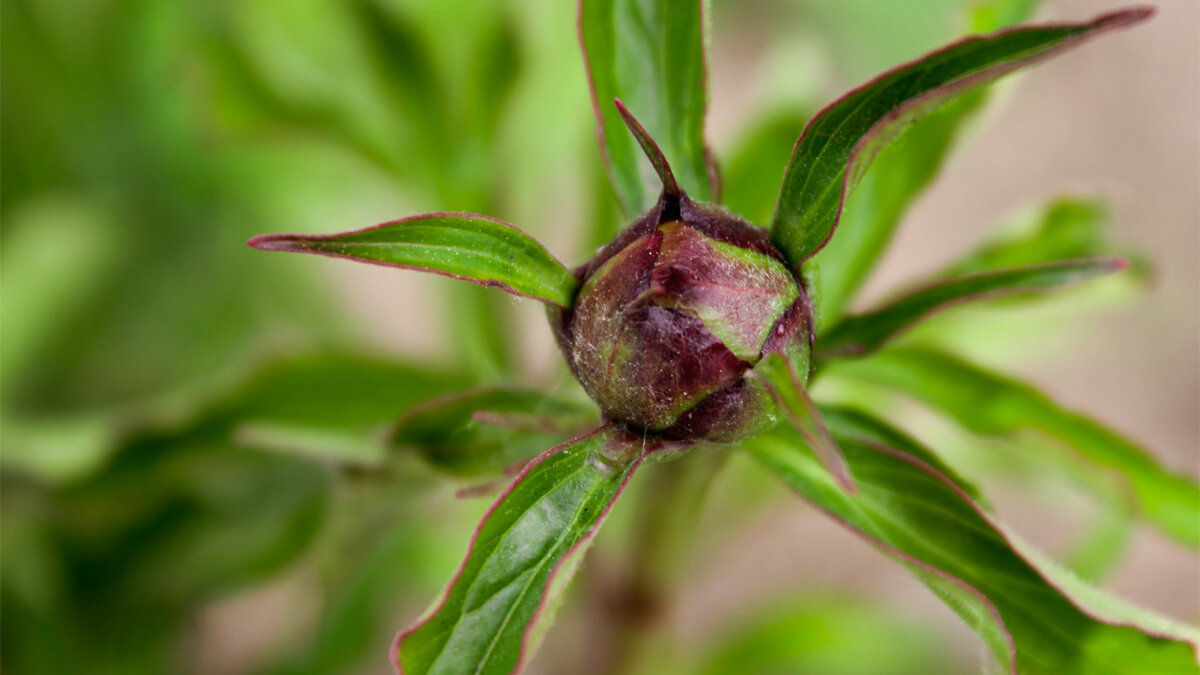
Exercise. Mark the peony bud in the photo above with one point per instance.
(672, 314)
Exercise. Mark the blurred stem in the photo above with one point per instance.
(634, 608)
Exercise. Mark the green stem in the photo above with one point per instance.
(634, 608)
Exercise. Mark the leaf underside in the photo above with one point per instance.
(464, 246)
(523, 552)
(840, 142)
(1027, 616)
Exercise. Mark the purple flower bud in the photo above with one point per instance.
(672, 314)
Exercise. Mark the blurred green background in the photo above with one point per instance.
(157, 515)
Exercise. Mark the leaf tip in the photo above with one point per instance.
(1116, 264)
(276, 242)
(1126, 17)
(651, 150)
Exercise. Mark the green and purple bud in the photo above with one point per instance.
(672, 315)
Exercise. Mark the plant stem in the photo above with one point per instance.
(633, 606)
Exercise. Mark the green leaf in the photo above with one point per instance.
(826, 635)
(900, 175)
(779, 376)
(650, 54)
(839, 143)
(464, 246)
(865, 333)
(1033, 618)
(1101, 547)
(751, 169)
(1064, 228)
(484, 431)
(991, 404)
(326, 406)
(882, 198)
(492, 614)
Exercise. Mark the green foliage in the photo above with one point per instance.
(820, 636)
(651, 56)
(472, 248)
(865, 333)
(919, 517)
(155, 464)
(840, 142)
(527, 547)
(992, 404)
(482, 432)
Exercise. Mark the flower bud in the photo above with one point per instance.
(672, 314)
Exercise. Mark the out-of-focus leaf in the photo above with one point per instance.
(479, 325)
(867, 428)
(332, 406)
(985, 16)
(877, 204)
(650, 54)
(464, 246)
(779, 376)
(485, 431)
(494, 611)
(916, 515)
(604, 213)
(170, 522)
(1094, 555)
(823, 637)
(55, 251)
(1061, 229)
(840, 142)
(898, 176)
(865, 333)
(751, 171)
(992, 404)
(134, 549)
(364, 590)
(56, 449)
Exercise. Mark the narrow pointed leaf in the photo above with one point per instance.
(464, 246)
(1063, 228)
(780, 378)
(751, 167)
(1033, 619)
(865, 333)
(650, 54)
(482, 432)
(901, 174)
(992, 404)
(650, 148)
(328, 407)
(842, 140)
(524, 551)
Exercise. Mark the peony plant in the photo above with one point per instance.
(695, 327)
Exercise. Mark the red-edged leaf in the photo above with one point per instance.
(464, 246)
(650, 54)
(496, 607)
(864, 333)
(1033, 616)
(840, 142)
